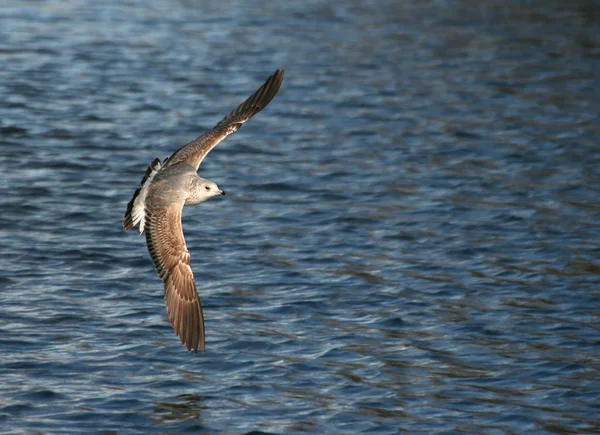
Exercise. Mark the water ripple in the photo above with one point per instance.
(410, 243)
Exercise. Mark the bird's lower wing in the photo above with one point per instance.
(164, 237)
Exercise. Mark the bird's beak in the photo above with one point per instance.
(222, 192)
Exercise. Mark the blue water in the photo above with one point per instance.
(410, 244)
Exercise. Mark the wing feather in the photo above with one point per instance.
(166, 244)
(195, 151)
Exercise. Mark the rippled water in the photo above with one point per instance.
(411, 243)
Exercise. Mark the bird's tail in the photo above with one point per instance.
(136, 208)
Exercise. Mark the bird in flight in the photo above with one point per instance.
(157, 205)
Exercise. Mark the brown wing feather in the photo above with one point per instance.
(164, 237)
(195, 151)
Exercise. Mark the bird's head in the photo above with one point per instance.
(206, 189)
(201, 190)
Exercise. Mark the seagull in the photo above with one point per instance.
(157, 205)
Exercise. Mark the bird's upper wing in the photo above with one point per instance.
(195, 151)
(164, 237)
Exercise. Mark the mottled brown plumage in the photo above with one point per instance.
(195, 151)
(164, 237)
(157, 206)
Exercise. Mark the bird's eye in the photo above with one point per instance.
(207, 187)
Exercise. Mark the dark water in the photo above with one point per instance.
(411, 243)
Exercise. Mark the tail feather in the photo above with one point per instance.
(136, 208)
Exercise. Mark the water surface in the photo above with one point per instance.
(410, 243)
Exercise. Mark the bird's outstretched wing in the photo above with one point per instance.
(164, 237)
(195, 151)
